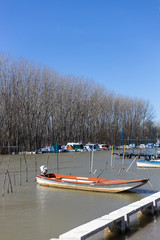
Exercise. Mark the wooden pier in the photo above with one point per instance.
(116, 221)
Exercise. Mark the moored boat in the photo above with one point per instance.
(74, 147)
(103, 147)
(149, 162)
(92, 147)
(88, 183)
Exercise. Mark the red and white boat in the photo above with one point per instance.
(88, 183)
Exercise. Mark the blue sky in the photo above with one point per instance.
(116, 43)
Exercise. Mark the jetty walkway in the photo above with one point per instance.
(116, 221)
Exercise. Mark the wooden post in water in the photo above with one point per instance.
(10, 183)
(26, 167)
(14, 179)
(8, 188)
(0, 161)
(35, 166)
(4, 181)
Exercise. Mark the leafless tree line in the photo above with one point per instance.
(40, 107)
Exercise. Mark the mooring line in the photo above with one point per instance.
(151, 185)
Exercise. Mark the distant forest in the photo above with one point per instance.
(40, 107)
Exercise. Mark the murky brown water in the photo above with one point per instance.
(36, 212)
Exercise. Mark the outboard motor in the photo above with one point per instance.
(44, 170)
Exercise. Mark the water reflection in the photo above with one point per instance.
(129, 196)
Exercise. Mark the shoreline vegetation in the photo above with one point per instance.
(39, 107)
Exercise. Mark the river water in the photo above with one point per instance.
(41, 213)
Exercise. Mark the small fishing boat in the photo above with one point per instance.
(87, 183)
(149, 162)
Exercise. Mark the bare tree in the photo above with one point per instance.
(40, 107)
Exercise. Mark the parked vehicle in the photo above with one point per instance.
(103, 146)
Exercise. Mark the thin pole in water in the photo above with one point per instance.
(14, 179)
(111, 156)
(92, 161)
(131, 164)
(20, 171)
(155, 141)
(101, 171)
(35, 165)
(89, 162)
(123, 156)
(47, 160)
(10, 183)
(26, 168)
(3, 190)
(4, 181)
(57, 157)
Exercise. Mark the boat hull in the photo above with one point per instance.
(148, 164)
(90, 184)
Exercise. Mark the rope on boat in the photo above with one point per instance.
(151, 185)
